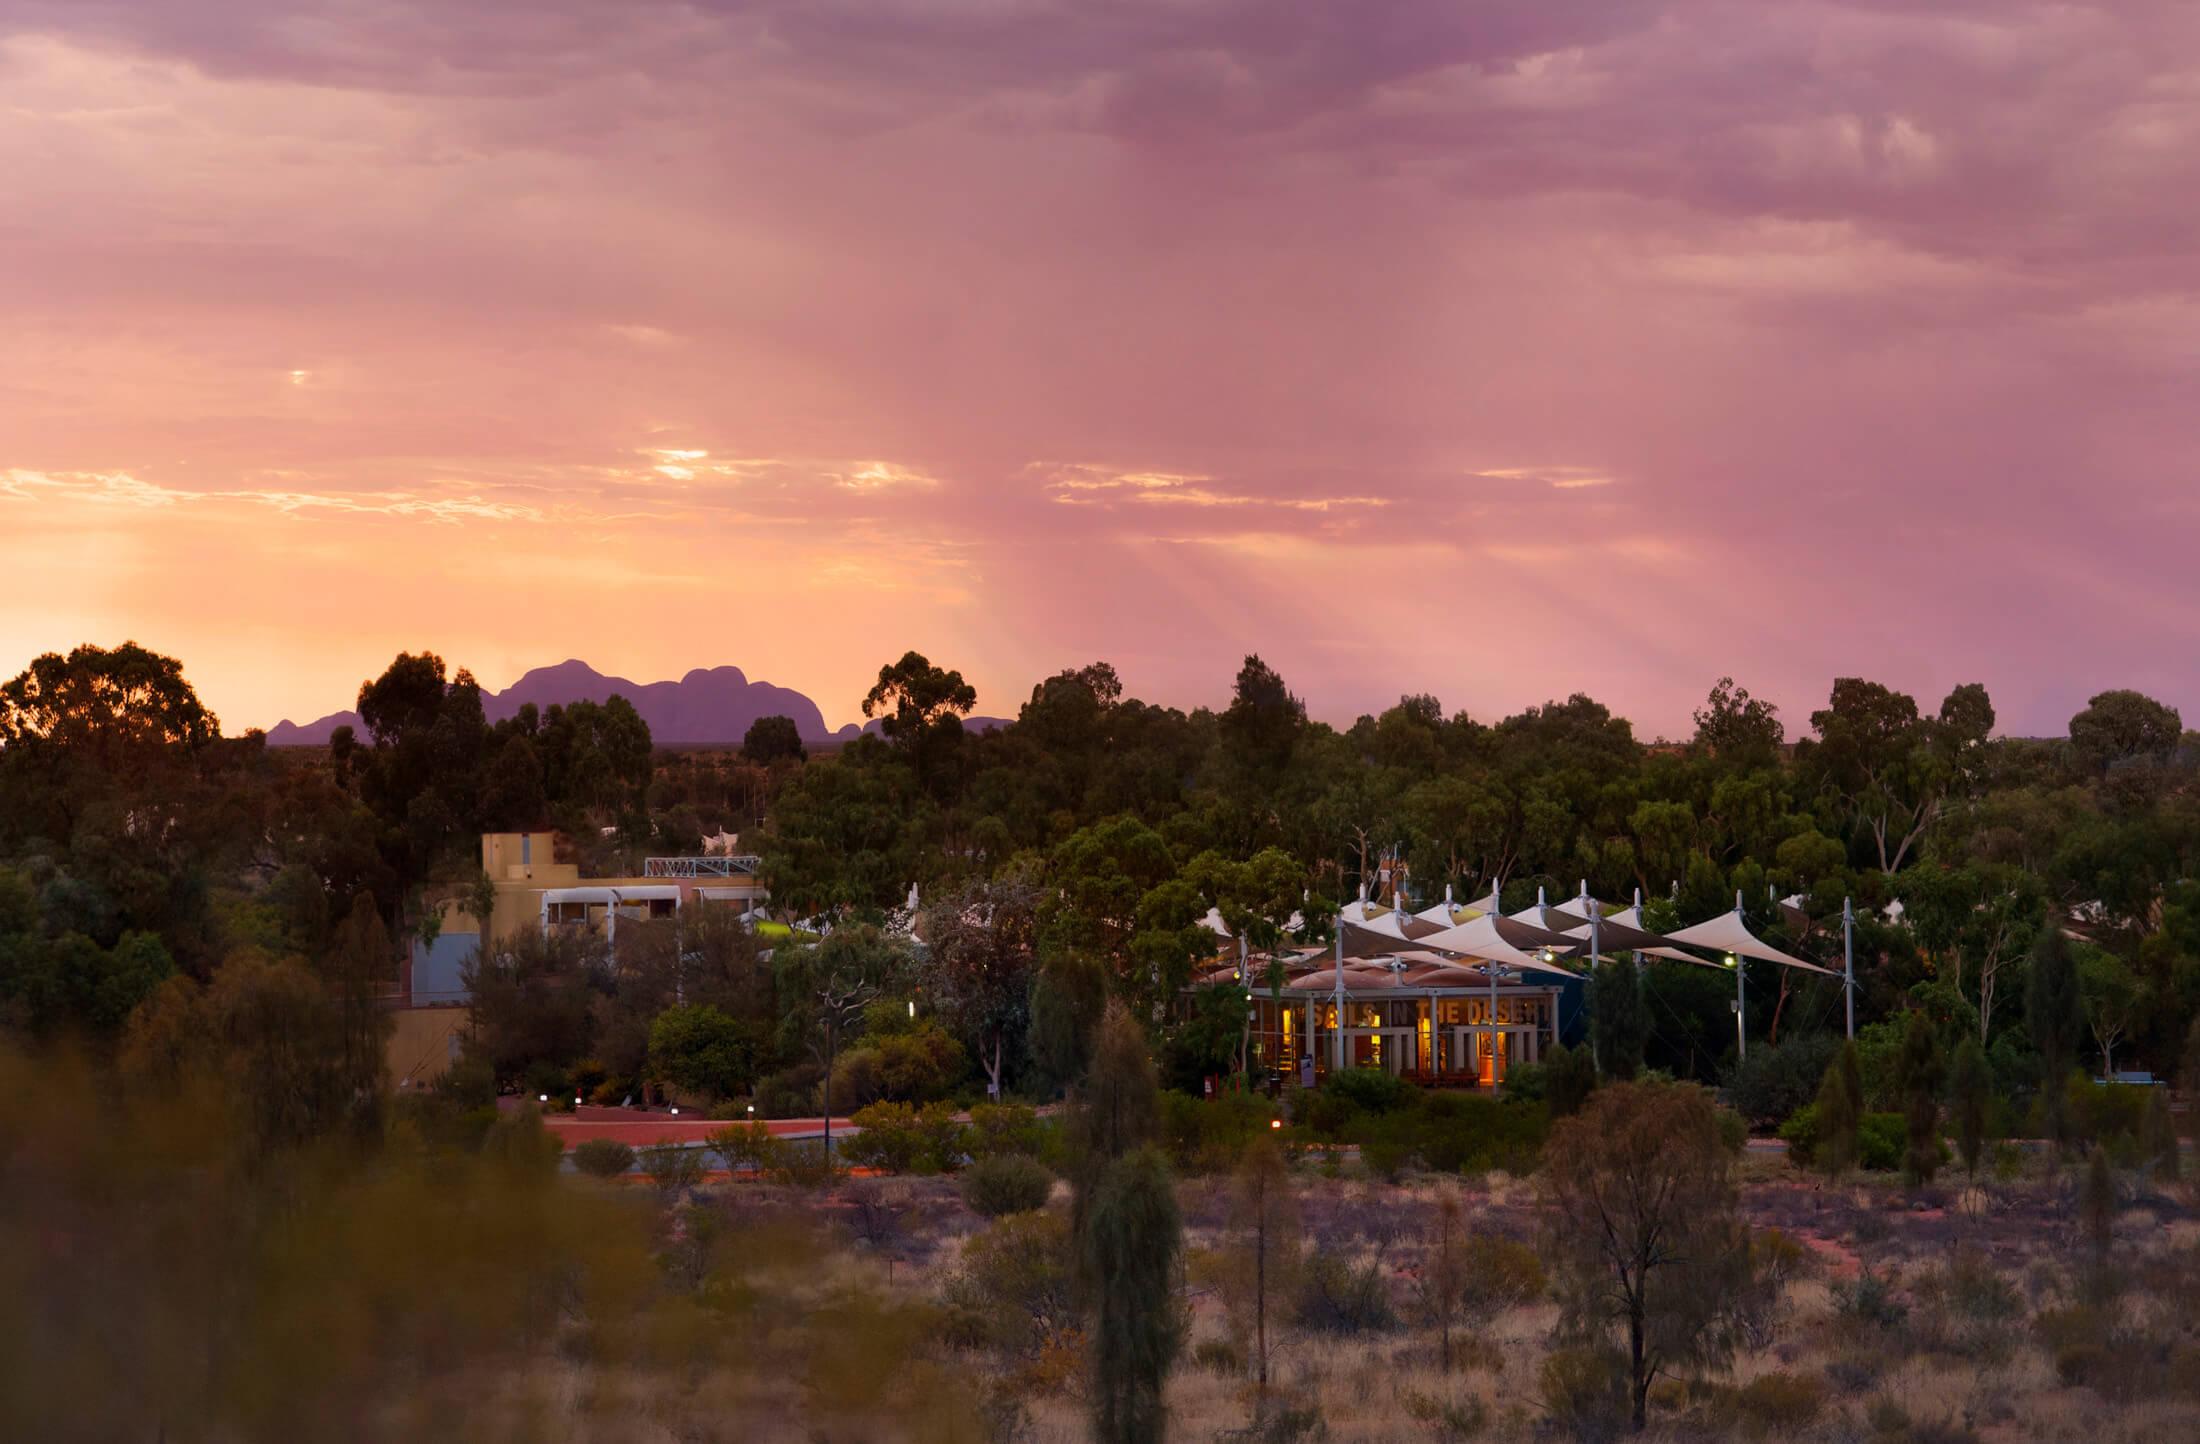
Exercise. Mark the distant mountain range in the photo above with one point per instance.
(708, 707)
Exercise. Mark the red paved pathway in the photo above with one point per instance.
(639, 1129)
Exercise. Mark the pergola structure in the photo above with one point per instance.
(1456, 994)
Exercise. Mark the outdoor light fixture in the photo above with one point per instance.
(676, 1113)
(542, 1098)
(1275, 1123)
(752, 1110)
(912, 1007)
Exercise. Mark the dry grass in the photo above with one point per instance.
(1933, 1364)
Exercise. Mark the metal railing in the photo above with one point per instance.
(740, 865)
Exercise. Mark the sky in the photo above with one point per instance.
(1499, 350)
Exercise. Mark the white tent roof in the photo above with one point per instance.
(1727, 933)
(1478, 938)
(1621, 930)
(1388, 924)
(1446, 914)
(1213, 923)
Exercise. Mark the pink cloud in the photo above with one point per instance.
(1637, 343)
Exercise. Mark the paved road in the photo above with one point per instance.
(641, 1129)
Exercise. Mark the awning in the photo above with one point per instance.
(1622, 931)
(1480, 938)
(1727, 933)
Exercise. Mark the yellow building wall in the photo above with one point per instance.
(423, 1044)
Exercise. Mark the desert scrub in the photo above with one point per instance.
(1006, 1183)
(603, 1158)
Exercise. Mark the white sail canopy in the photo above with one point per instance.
(1479, 938)
(1727, 933)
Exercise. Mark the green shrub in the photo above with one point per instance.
(1005, 1128)
(899, 1138)
(1528, 1083)
(1570, 1076)
(1460, 1132)
(469, 1083)
(1338, 1297)
(1205, 1135)
(1869, 1300)
(1352, 1091)
(1881, 1139)
(1772, 1082)
(946, 1139)
(545, 1079)
(791, 1093)
(1800, 1133)
(1733, 1129)
(603, 1158)
(889, 1140)
(914, 1066)
(1016, 1291)
(672, 1167)
(1501, 1273)
(751, 1146)
(1006, 1183)
(2111, 1115)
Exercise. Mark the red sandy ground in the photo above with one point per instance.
(638, 1129)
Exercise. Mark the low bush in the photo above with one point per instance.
(1006, 1183)
(1501, 1273)
(1869, 1301)
(916, 1065)
(1972, 1310)
(899, 1138)
(1773, 1082)
(1006, 1128)
(518, 1141)
(791, 1093)
(750, 1147)
(1338, 1297)
(1354, 1092)
(546, 1079)
(1880, 1139)
(1780, 1403)
(603, 1158)
(672, 1167)
(1016, 1292)
(1206, 1135)
(1455, 1133)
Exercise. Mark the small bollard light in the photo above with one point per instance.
(676, 1113)
(1275, 1123)
(542, 1098)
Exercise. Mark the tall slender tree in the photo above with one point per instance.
(1920, 1073)
(1129, 1233)
(1840, 1113)
(1972, 1087)
(2054, 1009)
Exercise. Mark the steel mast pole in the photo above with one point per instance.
(1741, 992)
(1848, 963)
